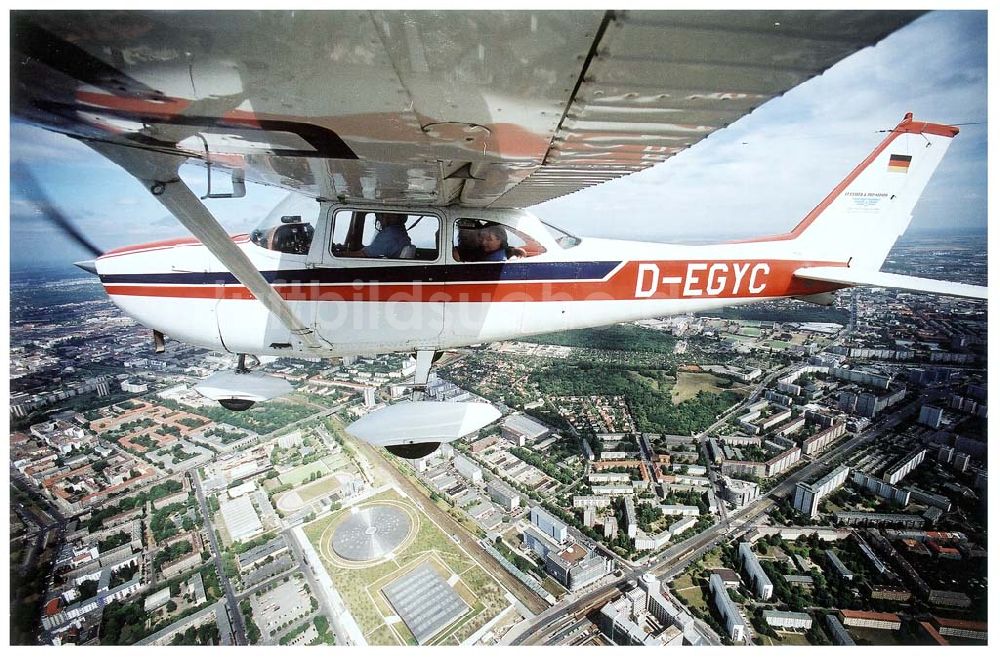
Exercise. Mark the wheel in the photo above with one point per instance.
(413, 450)
(236, 404)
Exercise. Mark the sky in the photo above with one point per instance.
(759, 176)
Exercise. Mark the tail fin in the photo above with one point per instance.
(862, 217)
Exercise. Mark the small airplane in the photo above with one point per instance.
(421, 136)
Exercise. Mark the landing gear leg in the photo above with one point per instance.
(424, 360)
(239, 404)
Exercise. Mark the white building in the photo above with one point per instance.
(680, 510)
(808, 496)
(548, 524)
(682, 525)
(626, 621)
(468, 469)
(503, 495)
(522, 429)
(788, 620)
(156, 600)
(129, 387)
(865, 619)
(631, 520)
(240, 518)
(613, 490)
(904, 466)
(591, 501)
(732, 619)
(739, 493)
(761, 585)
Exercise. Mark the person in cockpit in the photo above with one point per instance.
(391, 238)
(493, 243)
(494, 247)
(484, 244)
(467, 245)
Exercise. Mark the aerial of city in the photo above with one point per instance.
(775, 474)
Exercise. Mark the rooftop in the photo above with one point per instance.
(866, 614)
(965, 624)
(425, 602)
(574, 553)
(525, 425)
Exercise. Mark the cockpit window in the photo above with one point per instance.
(288, 228)
(391, 235)
(479, 240)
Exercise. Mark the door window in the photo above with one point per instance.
(385, 235)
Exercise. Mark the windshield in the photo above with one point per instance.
(562, 238)
(289, 227)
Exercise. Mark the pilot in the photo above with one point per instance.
(391, 238)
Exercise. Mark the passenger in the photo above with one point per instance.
(493, 243)
(390, 240)
(467, 246)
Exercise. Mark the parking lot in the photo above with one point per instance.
(283, 604)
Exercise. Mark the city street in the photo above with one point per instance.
(239, 629)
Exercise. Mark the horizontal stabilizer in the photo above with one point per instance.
(852, 277)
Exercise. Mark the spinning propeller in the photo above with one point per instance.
(24, 181)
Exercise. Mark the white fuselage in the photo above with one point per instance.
(365, 305)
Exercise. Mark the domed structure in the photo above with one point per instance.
(371, 533)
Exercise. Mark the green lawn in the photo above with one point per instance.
(685, 587)
(300, 474)
(338, 462)
(690, 384)
(317, 489)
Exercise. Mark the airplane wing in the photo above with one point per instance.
(502, 109)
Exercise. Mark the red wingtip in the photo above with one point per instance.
(908, 125)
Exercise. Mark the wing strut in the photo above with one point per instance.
(158, 172)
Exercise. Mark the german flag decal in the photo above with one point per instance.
(899, 163)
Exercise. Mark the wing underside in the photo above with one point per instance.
(503, 109)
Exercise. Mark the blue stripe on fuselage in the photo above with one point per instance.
(461, 272)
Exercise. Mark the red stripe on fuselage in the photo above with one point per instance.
(730, 279)
(164, 244)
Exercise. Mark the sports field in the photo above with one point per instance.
(689, 384)
(300, 474)
(360, 583)
(296, 499)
